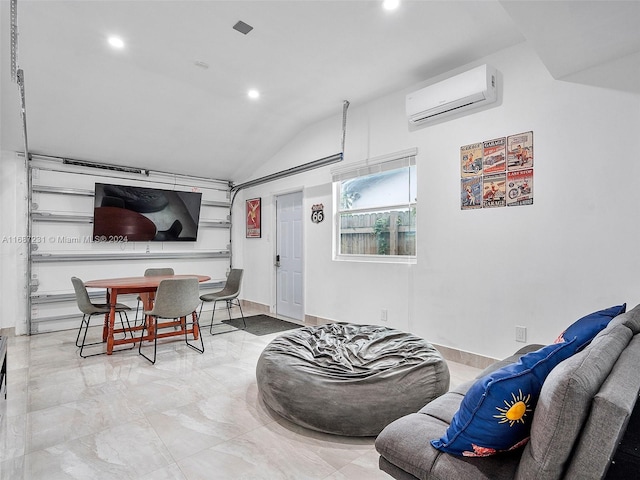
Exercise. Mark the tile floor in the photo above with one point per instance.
(188, 417)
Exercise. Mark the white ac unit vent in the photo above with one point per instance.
(462, 92)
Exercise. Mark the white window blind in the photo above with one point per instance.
(380, 164)
(376, 208)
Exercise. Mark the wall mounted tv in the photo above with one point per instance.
(139, 214)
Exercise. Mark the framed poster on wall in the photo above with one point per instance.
(253, 218)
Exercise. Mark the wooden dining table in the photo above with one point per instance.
(146, 287)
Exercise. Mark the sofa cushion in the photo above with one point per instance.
(495, 414)
(565, 401)
(587, 327)
(444, 407)
(631, 319)
(612, 407)
(404, 445)
(396, 472)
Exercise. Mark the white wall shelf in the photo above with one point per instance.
(62, 243)
(126, 257)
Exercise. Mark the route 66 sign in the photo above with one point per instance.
(317, 213)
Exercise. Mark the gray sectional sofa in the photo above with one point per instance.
(579, 420)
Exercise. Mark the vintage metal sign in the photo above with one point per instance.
(317, 213)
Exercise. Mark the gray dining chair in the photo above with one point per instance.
(152, 272)
(228, 294)
(90, 309)
(177, 299)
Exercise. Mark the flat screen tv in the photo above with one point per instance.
(140, 214)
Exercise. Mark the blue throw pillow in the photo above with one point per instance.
(495, 414)
(587, 327)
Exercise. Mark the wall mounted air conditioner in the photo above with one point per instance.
(459, 93)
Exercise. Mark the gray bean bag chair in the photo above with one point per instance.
(349, 379)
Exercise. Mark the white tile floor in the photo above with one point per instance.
(188, 417)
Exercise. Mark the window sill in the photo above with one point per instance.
(395, 259)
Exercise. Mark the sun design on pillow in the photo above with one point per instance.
(515, 410)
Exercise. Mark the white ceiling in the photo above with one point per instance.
(150, 106)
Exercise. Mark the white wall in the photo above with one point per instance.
(482, 272)
(13, 255)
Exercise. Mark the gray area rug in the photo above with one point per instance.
(260, 325)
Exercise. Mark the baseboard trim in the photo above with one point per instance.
(9, 332)
(312, 320)
(259, 307)
(465, 358)
(450, 354)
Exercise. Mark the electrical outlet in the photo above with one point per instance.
(521, 334)
(383, 315)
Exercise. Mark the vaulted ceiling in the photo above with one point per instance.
(174, 98)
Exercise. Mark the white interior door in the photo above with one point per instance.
(289, 283)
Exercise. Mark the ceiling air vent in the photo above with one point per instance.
(242, 27)
(82, 163)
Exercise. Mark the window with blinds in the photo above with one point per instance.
(376, 205)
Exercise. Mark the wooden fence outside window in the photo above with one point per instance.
(379, 233)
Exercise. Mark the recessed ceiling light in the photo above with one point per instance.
(116, 42)
(390, 4)
(253, 93)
